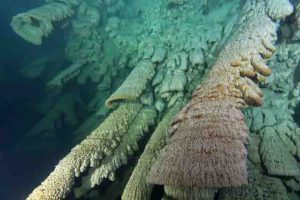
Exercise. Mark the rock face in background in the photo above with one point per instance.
(143, 59)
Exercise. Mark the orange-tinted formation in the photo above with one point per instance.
(208, 137)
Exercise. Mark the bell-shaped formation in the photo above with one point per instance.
(206, 147)
(208, 137)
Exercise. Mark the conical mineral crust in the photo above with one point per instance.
(206, 149)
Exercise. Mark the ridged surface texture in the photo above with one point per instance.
(208, 137)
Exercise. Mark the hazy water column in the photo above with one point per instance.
(16, 94)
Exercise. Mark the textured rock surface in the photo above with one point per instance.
(206, 148)
(37, 23)
(137, 187)
(134, 84)
(108, 39)
(99, 144)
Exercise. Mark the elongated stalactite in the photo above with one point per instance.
(207, 138)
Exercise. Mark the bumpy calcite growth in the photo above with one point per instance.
(98, 145)
(206, 148)
(84, 43)
(140, 189)
(205, 159)
(127, 147)
(37, 23)
(175, 78)
(274, 136)
(273, 125)
(134, 84)
(275, 152)
(137, 187)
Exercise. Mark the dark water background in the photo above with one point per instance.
(21, 170)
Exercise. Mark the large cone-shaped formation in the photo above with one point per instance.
(207, 147)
